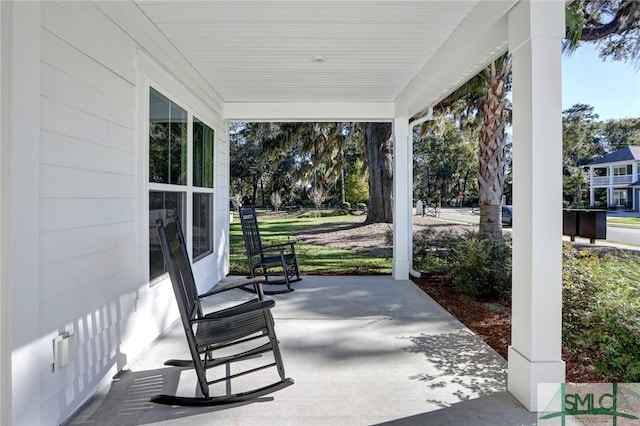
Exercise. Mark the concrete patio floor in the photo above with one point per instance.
(362, 351)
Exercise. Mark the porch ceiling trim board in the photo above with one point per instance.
(480, 38)
(309, 111)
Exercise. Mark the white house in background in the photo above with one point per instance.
(114, 113)
(618, 175)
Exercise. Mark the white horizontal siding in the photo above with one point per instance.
(91, 256)
(63, 182)
(70, 121)
(97, 347)
(221, 159)
(58, 54)
(63, 277)
(88, 190)
(111, 286)
(66, 151)
(98, 38)
(58, 246)
(68, 90)
(87, 212)
(221, 227)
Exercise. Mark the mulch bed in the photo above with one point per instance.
(492, 322)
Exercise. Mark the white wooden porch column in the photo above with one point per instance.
(592, 189)
(402, 195)
(634, 191)
(536, 29)
(610, 174)
(31, 354)
(5, 283)
(611, 194)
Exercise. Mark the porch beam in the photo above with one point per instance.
(309, 111)
(536, 29)
(402, 198)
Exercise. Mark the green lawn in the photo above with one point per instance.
(624, 222)
(312, 259)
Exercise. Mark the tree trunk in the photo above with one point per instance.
(491, 149)
(342, 197)
(378, 146)
(254, 188)
(578, 193)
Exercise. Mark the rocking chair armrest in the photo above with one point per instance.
(279, 247)
(256, 281)
(237, 311)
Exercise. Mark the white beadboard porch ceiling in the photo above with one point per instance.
(261, 50)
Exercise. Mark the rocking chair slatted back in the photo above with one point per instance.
(251, 234)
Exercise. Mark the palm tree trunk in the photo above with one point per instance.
(491, 148)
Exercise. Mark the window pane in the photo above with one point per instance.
(198, 129)
(202, 225)
(203, 145)
(167, 140)
(162, 205)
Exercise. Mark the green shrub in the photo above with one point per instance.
(361, 206)
(332, 213)
(346, 205)
(481, 267)
(478, 267)
(388, 235)
(601, 309)
(601, 292)
(433, 249)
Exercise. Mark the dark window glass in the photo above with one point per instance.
(167, 140)
(162, 205)
(203, 142)
(202, 224)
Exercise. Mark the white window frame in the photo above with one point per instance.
(617, 198)
(151, 73)
(202, 190)
(211, 224)
(187, 190)
(616, 170)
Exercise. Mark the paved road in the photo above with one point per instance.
(623, 235)
(460, 215)
(614, 233)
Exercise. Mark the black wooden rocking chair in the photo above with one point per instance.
(244, 325)
(277, 262)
